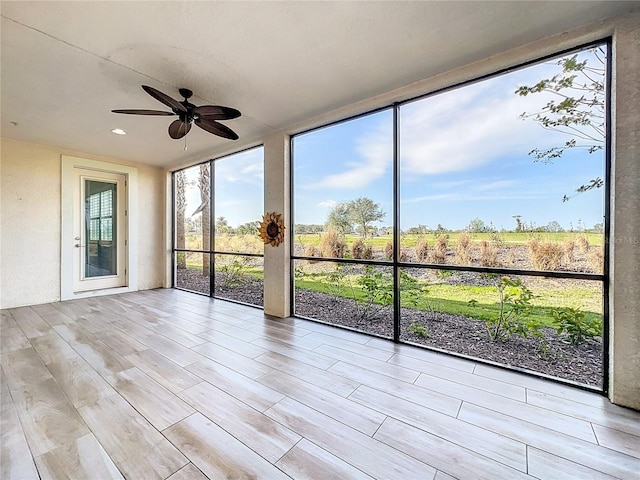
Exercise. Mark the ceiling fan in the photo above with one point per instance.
(204, 116)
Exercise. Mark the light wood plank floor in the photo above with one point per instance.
(168, 384)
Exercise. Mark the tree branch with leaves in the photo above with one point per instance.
(577, 109)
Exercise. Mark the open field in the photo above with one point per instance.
(508, 238)
(565, 251)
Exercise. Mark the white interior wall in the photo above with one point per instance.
(30, 220)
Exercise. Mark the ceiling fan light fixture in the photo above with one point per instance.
(118, 131)
(204, 116)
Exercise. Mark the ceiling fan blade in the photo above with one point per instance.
(143, 112)
(216, 112)
(178, 129)
(216, 128)
(166, 99)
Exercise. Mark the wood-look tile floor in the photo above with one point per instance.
(168, 384)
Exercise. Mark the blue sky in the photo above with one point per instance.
(238, 187)
(463, 155)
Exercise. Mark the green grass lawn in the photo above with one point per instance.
(454, 299)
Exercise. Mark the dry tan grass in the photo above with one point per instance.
(422, 250)
(545, 255)
(596, 260)
(332, 244)
(439, 253)
(583, 243)
(361, 251)
(489, 254)
(388, 251)
(463, 249)
(311, 251)
(239, 243)
(569, 246)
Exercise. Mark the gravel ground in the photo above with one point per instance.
(249, 290)
(578, 363)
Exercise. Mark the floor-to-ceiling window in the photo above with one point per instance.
(217, 208)
(472, 220)
(343, 214)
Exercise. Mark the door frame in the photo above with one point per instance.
(82, 242)
(69, 190)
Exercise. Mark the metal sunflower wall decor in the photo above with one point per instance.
(272, 229)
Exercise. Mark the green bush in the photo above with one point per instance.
(576, 325)
(232, 273)
(514, 300)
(418, 330)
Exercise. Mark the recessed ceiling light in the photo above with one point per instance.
(119, 131)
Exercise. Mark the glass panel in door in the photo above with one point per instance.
(100, 257)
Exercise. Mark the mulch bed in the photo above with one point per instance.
(453, 333)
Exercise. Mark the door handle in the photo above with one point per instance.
(77, 245)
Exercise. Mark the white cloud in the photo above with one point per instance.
(484, 189)
(327, 204)
(244, 167)
(431, 198)
(477, 197)
(496, 185)
(459, 130)
(467, 128)
(376, 157)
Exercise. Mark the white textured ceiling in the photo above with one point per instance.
(66, 65)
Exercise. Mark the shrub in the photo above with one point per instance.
(574, 323)
(231, 272)
(488, 254)
(337, 279)
(361, 251)
(545, 255)
(583, 243)
(439, 253)
(418, 330)
(569, 246)
(311, 251)
(332, 244)
(514, 300)
(422, 250)
(388, 251)
(463, 248)
(596, 260)
(377, 289)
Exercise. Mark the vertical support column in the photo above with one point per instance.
(277, 188)
(624, 293)
(396, 224)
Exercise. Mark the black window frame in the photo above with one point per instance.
(397, 265)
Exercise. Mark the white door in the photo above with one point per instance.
(99, 228)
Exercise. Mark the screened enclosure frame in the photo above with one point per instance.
(398, 265)
(211, 251)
